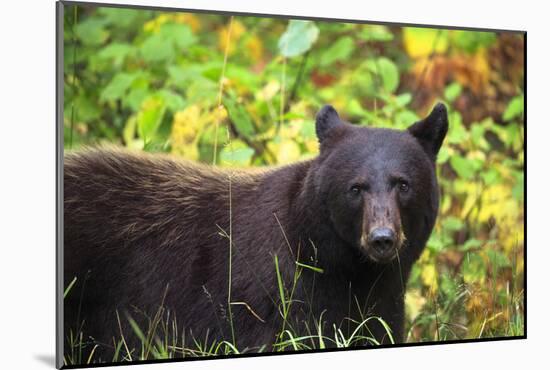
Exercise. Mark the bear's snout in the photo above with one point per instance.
(381, 233)
(382, 240)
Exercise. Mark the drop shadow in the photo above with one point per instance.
(48, 360)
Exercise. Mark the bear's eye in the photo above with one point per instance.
(355, 190)
(403, 186)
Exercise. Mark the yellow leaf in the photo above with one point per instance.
(287, 151)
(189, 19)
(255, 48)
(414, 302)
(185, 129)
(429, 276)
(421, 42)
(269, 91)
(312, 146)
(155, 24)
(472, 192)
(237, 30)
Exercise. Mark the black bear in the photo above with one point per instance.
(322, 244)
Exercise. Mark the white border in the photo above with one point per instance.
(27, 181)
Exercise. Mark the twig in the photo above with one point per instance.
(220, 90)
(297, 81)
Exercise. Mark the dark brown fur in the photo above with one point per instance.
(140, 225)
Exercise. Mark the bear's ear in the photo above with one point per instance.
(431, 131)
(327, 118)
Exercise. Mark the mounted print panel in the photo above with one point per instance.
(242, 185)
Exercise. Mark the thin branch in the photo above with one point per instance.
(219, 106)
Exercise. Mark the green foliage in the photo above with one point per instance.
(388, 72)
(237, 154)
(340, 51)
(163, 46)
(91, 32)
(514, 108)
(240, 118)
(246, 95)
(472, 41)
(298, 38)
(375, 33)
(452, 92)
(150, 117)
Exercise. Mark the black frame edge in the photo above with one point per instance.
(284, 16)
(525, 185)
(59, 96)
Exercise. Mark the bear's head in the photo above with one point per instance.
(378, 186)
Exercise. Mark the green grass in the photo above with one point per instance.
(443, 317)
(163, 338)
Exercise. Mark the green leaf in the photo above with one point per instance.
(180, 34)
(403, 100)
(388, 72)
(491, 176)
(354, 108)
(498, 259)
(236, 154)
(174, 102)
(457, 133)
(307, 129)
(135, 97)
(514, 108)
(436, 243)
(91, 32)
(470, 244)
(157, 48)
(120, 17)
(118, 86)
(449, 285)
(340, 50)
(375, 33)
(473, 268)
(443, 155)
(471, 41)
(150, 117)
(298, 38)
(452, 223)
(129, 131)
(405, 119)
(173, 39)
(86, 109)
(452, 92)
(116, 52)
(513, 135)
(518, 189)
(240, 117)
(465, 168)
(477, 133)
(183, 77)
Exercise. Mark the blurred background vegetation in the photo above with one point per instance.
(185, 83)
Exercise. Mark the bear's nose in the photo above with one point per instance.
(382, 239)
